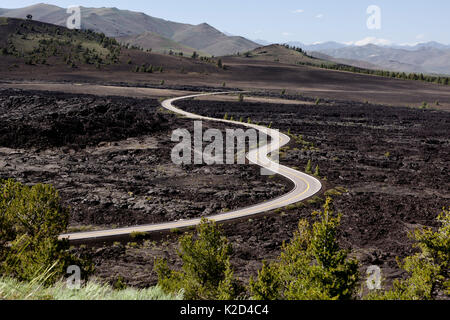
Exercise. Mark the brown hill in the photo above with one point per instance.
(283, 54)
(36, 49)
(120, 23)
(157, 43)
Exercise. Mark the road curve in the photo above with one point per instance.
(305, 186)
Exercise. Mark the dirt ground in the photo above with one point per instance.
(255, 76)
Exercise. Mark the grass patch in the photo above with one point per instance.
(338, 191)
(11, 289)
(86, 228)
(138, 235)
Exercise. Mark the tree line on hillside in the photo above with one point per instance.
(382, 73)
(50, 41)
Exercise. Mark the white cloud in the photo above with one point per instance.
(319, 16)
(410, 44)
(298, 11)
(286, 34)
(420, 36)
(369, 40)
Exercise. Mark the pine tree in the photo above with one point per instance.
(311, 267)
(206, 272)
(308, 168)
(428, 269)
(317, 172)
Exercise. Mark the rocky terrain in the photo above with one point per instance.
(109, 157)
(385, 167)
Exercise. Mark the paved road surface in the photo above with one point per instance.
(305, 186)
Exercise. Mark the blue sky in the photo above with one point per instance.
(402, 21)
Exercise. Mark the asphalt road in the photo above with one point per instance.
(305, 186)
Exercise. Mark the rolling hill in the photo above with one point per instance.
(157, 43)
(282, 54)
(37, 49)
(123, 23)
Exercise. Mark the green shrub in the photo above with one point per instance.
(311, 267)
(428, 269)
(31, 219)
(120, 284)
(308, 168)
(424, 105)
(317, 172)
(138, 235)
(206, 272)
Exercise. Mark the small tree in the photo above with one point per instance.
(206, 272)
(195, 55)
(317, 172)
(311, 267)
(428, 269)
(308, 168)
(241, 97)
(31, 219)
(29, 17)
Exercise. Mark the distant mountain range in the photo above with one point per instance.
(332, 45)
(430, 57)
(138, 28)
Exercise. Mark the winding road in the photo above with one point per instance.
(305, 186)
